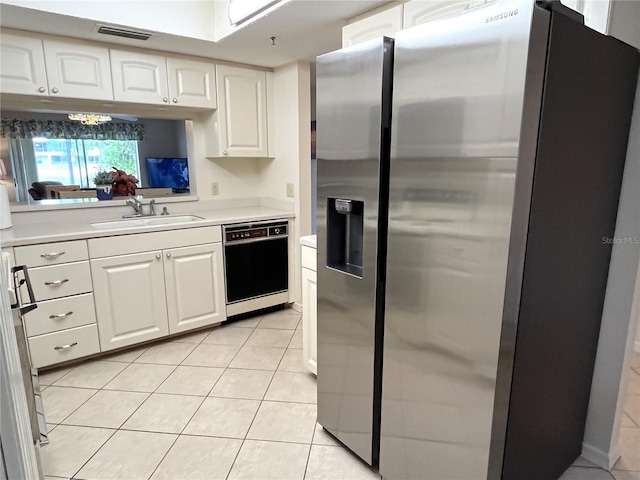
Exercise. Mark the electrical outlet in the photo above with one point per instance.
(290, 191)
(215, 190)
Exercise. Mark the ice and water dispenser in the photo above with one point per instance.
(345, 235)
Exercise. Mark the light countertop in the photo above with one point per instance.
(35, 233)
(309, 241)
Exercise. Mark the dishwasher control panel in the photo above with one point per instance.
(255, 231)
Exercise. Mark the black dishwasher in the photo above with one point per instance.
(257, 263)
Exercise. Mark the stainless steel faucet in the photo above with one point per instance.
(138, 209)
(136, 205)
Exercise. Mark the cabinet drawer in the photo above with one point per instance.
(61, 280)
(309, 258)
(64, 345)
(51, 253)
(60, 314)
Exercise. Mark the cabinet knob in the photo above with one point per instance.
(165, 99)
(42, 89)
(224, 152)
(175, 100)
(158, 256)
(168, 255)
(54, 90)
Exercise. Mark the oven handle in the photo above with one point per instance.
(24, 309)
(254, 240)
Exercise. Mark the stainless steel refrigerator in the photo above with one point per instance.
(463, 252)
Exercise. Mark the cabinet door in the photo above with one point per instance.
(76, 70)
(22, 67)
(242, 110)
(418, 12)
(138, 77)
(310, 320)
(194, 278)
(130, 299)
(191, 83)
(385, 23)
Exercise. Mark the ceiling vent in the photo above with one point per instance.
(123, 32)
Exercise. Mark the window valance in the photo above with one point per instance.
(70, 130)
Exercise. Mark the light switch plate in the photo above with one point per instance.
(290, 190)
(215, 189)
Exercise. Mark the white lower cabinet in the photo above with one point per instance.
(309, 305)
(112, 292)
(63, 327)
(194, 279)
(148, 295)
(310, 319)
(129, 293)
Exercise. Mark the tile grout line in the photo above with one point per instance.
(632, 420)
(118, 428)
(203, 398)
(255, 415)
(257, 410)
(94, 394)
(126, 420)
(149, 394)
(179, 434)
(97, 450)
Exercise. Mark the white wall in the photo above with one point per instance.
(619, 317)
(236, 177)
(186, 18)
(292, 116)
(624, 21)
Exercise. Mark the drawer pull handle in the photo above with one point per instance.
(60, 316)
(52, 255)
(65, 347)
(57, 282)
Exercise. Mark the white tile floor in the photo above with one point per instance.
(230, 402)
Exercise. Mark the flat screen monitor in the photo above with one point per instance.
(168, 173)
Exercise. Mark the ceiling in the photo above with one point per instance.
(303, 30)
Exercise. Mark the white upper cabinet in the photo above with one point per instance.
(22, 67)
(242, 112)
(139, 77)
(77, 70)
(385, 23)
(418, 12)
(192, 83)
(412, 13)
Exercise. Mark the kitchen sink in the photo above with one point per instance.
(145, 221)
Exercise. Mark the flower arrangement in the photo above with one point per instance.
(123, 183)
(103, 178)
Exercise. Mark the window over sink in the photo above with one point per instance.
(75, 162)
(52, 156)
